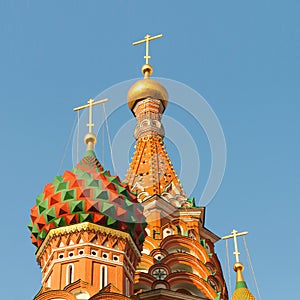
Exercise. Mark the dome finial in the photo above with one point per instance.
(147, 68)
(238, 267)
(241, 290)
(147, 87)
(90, 138)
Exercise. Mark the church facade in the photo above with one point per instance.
(100, 238)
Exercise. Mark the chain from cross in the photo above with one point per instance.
(146, 40)
(234, 235)
(90, 105)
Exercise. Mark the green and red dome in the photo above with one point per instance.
(88, 193)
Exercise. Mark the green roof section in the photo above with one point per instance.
(240, 284)
(42, 206)
(88, 193)
(68, 195)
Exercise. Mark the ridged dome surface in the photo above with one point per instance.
(242, 294)
(145, 88)
(88, 193)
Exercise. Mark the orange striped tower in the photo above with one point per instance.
(178, 259)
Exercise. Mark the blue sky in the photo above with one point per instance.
(242, 56)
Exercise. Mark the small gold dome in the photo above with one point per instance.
(90, 140)
(241, 291)
(238, 266)
(145, 88)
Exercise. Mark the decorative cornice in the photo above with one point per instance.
(86, 226)
(192, 244)
(200, 283)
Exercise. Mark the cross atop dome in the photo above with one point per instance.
(147, 68)
(90, 138)
(234, 235)
(241, 289)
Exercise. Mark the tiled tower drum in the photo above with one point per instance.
(89, 229)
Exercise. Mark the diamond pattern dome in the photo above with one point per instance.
(88, 193)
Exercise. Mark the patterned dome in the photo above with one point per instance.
(88, 193)
(242, 293)
(241, 290)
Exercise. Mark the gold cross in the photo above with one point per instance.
(90, 105)
(234, 235)
(146, 40)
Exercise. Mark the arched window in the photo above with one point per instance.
(179, 231)
(214, 283)
(70, 274)
(192, 234)
(103, 276)
(167, 231)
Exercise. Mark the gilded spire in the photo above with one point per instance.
(90, 138)
(241, 291)
(147, 68)
(147, 87)
(151, 171)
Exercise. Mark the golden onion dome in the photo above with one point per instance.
(241, 290)
(145, 88)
